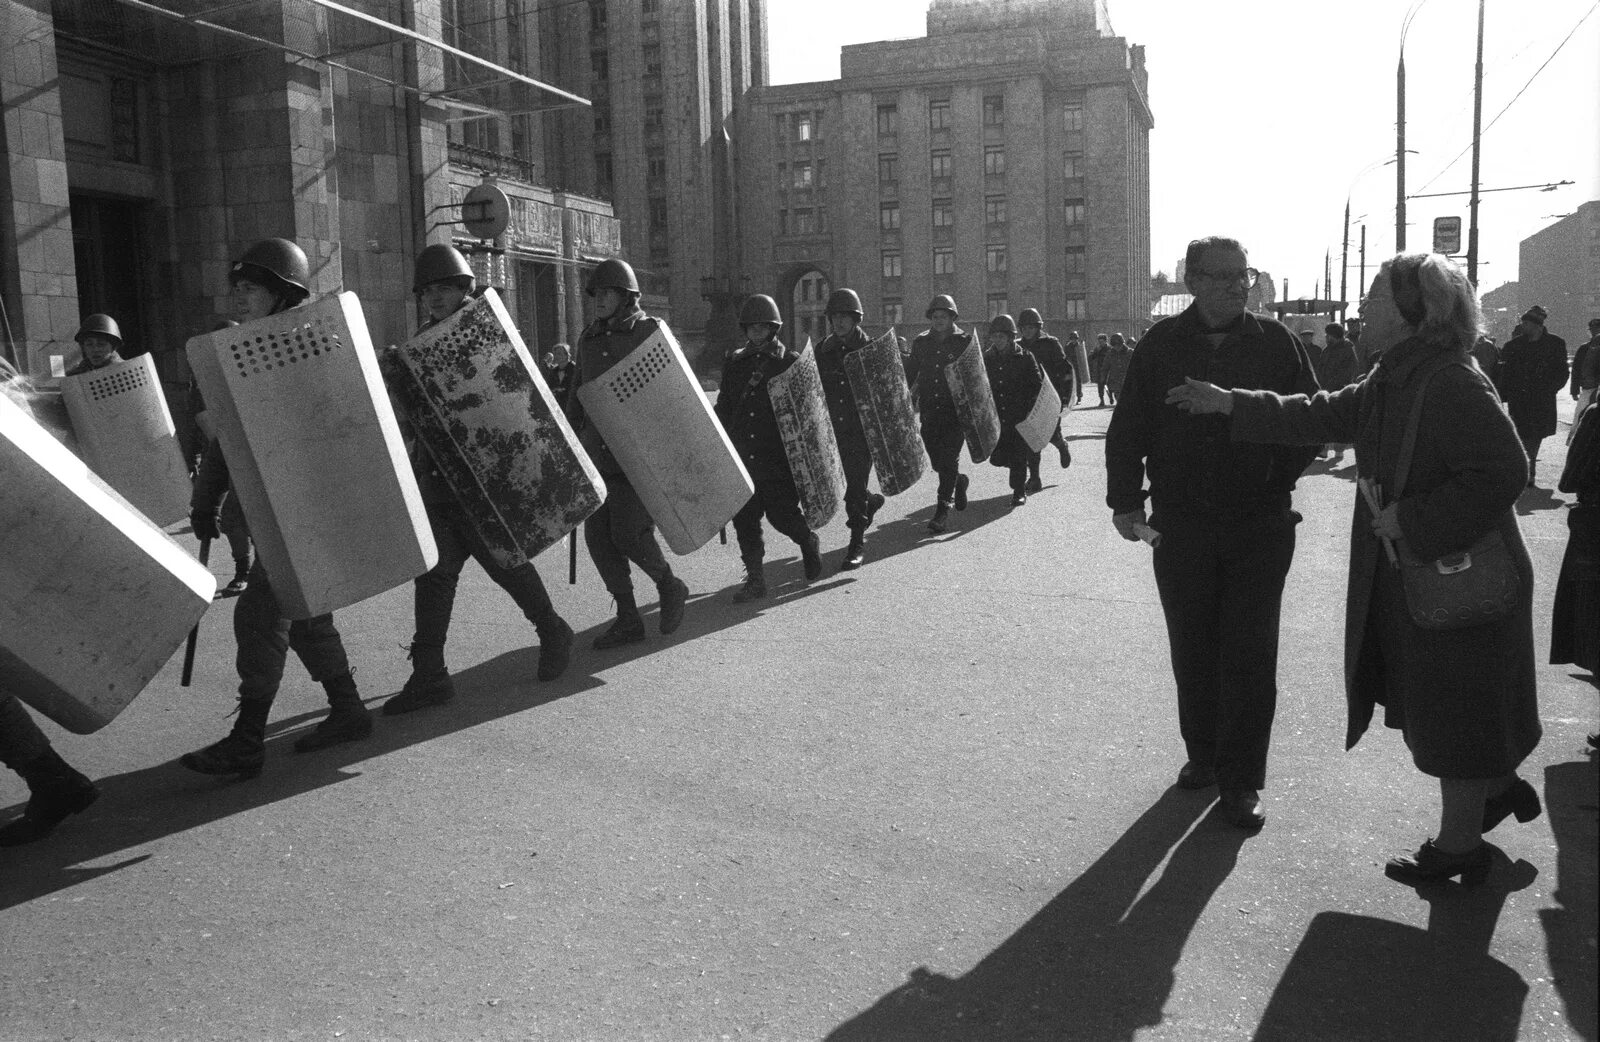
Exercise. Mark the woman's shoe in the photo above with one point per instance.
(1431, 866)
(1520, 799)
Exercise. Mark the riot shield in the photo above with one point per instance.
(480, 408)
(878, 384)
(124, 430)
(1037, 427)
(315, 455)
(969, 386)
(94, 599)
(656, 421)
(808, 438)
(1078, 355)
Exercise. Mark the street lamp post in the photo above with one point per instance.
(1400, 133)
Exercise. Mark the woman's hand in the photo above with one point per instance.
(1197, 396)
(1387, 523)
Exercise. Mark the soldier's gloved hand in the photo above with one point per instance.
(205, 523)
(1127, 523)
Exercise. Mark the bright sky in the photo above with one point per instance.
(1269, 113)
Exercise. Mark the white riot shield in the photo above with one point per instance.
(1037, 427)
(125, 432)
(94, 599)
(808, 439)
(315, 455)
(883, 399)
(656, 421)
(969, 386)
(1078, 355)
(486, 417)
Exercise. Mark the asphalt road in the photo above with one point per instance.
(931, 799)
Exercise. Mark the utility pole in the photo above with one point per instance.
(1363, 286)
(1477, 149)
(1344, 264)
(1400, 150)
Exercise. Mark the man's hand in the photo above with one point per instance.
(204, 523)
(1197, 396)
(1387, 523)
(1127, 524)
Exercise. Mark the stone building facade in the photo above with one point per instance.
(1559, 267)
(1002, 159)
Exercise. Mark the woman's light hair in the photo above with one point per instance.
(1450, 314)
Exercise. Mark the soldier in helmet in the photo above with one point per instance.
(622, 529)
(845, 337)
(445, 284)
(1059, 371)
(931, 354)
(1015, 377)
(100, 340)
(745, 409)
(273, 276)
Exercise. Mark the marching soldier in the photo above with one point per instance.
(844, 337)
(1058, 369)
(272, 276)
(931, 354)
(100, 340)
(1015, 377)
(621, 530)
(445, 283)
(745, 409)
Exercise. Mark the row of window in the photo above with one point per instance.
(994, 212)
(598, 19)
(1075, 307)
(996, 258)
(940, 163)
(940, 118)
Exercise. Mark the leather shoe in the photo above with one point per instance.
(1196, 776)
(628, 629)
(961, 492)
(1242, 808)
(1035, 484)
(1431, 866)
(674, 594)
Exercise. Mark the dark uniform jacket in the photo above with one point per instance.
(745, 408)
(1055, 363)
(1194, 468)
(930, 354)
(1530, 374)
(604, 343)
(847, 428)
(1015, 378)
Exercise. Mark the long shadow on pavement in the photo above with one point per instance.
(1570, 936)
(1096, 963)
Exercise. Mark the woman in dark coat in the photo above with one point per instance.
(1464, 699)
(1015, 378)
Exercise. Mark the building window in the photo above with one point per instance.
(1072, 165)
(940, 160)
(822, 218)
(994, 110)
(1073, 209)
(783, 222)
(648, 6)
(891, 264)
(894, 312)
(994, 258)
(999, 304)
(656, 168)
(650, 55)
(780, 126)
(939, 115)
(658, 216)
(1072, 116)
(597, 16)
(888, 216)
(994, 159)
(944, 261)
(805, 221)
(822, 173)
(888, 120)
(803, 126)
(1077, 260)
(994, 209)
(802, 175)
(783, 175)
(602, 172)
(653, 116)
(1077, 307)
(888, 168)
(944, 215)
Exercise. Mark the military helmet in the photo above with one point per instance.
(279, 258)
(1030, 317)
(439, 261)
(844, 302)
(943, 302)
(100, 325)
(1003, 324)
(612, 274)
(759, 309)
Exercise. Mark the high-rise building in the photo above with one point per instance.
(1559, 267)
(1003, 159)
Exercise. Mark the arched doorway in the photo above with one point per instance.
(805, 306)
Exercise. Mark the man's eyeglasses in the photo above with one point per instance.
(1248, 276)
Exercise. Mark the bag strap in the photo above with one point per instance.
(1408, 440)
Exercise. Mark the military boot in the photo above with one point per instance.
(347, 720)
(674, 595)
(628, 627)
(55, 792)
(555, 646)
(811, 557)
(855, 554)
(961, 491)
(941, 515)
(428, 685)
(239, 583)
(244, 751)
(755, 583)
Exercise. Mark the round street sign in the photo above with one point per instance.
(485, 211)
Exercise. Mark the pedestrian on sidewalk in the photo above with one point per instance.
(1532, 371)
(1337, 369)
(1585, 375)
(1058, 369)
(1464, 699)
(1015, 378)
(844, 338)
(1115, 366)
(1097, 365)
(1224, 514)
(932, 352)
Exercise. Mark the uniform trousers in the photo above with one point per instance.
(264, 638)
(619, 532)
(944, 442)
(21, 740)
(857, 467)
(1221, 587)
(1056, 439)
(435, 590)
(779, 501)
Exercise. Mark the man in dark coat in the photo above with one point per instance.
(845, 337)
(745, 408)
(1058, 370)
(1337, 368)
(1224, 516)
(1532, 371)
(1015, 378)
(931, 354)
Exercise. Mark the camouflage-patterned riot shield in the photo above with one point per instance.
(94, 599)
(969, 386)
(656, 421)
(124, 430)
(1040, 423)
(808, 439)
(878, 384)
(315, 455)
(481, 409)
